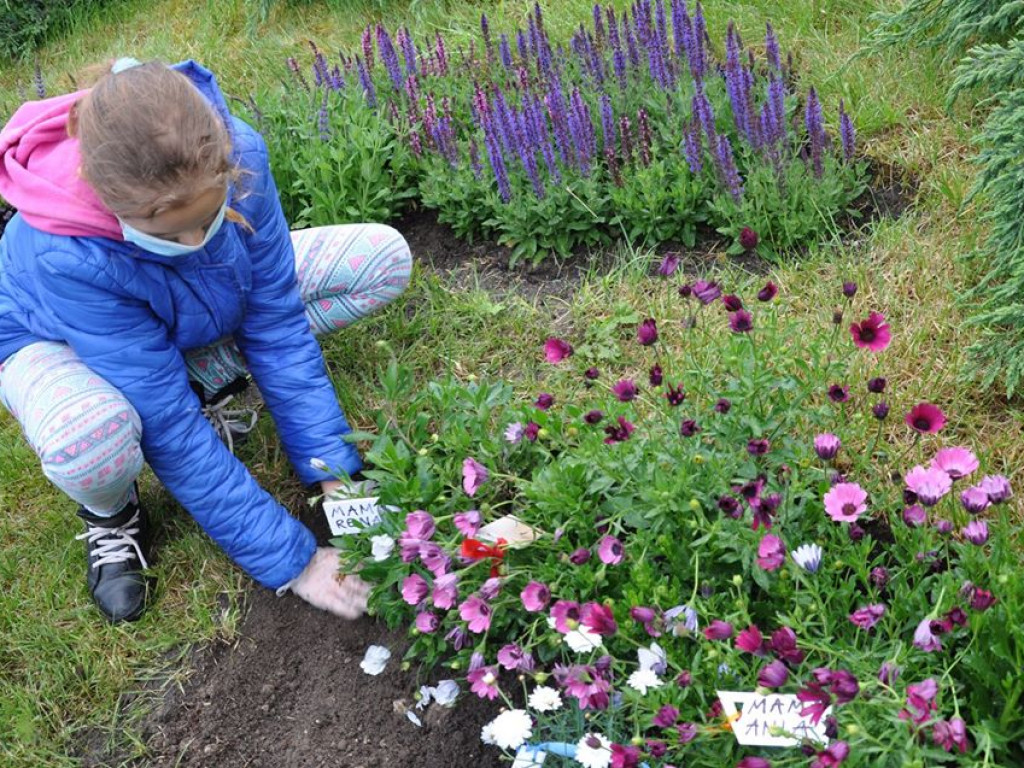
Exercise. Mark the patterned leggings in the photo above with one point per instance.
(86, 433)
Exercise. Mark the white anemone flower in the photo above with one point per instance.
(511, 728)
(643, 680)
(594, 751)
(375, 660)
(808, 557)
(382, 547)
(545, 699)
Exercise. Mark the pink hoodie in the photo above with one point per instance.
(39, 166)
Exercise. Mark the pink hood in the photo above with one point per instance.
(39, 165)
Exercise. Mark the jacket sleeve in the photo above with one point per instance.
(278, 344)
(120, 339)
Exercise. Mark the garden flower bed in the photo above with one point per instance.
(736, 502)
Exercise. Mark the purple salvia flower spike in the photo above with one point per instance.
(366, 83)
(293, 65)
(505, 52)
(524, 51)
(599, 35)
(368, 47)
(474, 159)
(497, 161)
(389, 58)
(442, 55)
(771, 49)
(626, 136)
(777, 99)
(324, 120)
(607, 123)
(485, 29)
(644, 137)
(727, 165)
(700, 38)
(408, 51)
(847, 133)
(692, 148)
(632, 47)
(815, 132)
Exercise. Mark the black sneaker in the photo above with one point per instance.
(231, 423)
(115, 547)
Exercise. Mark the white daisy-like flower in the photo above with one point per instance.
(511, 728)
(808, 557)
(594, 751)
(582, 640)
(375, 660)
(319, 465)
(643, 680)
(545, 699)
(487, 734)
(382, 547)
(445, 693)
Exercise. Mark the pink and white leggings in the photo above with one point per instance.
(85, 431)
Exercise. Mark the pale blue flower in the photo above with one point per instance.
(808, 557)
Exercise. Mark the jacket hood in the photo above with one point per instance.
(39, 163)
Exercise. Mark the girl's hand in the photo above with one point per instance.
(330, 485)
(321, 584)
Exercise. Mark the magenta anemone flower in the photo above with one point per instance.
(474, 474)
(477, 613)
(955, 462)
(748, 239)
(929, 485)
(871, 334)
(625, 756)
(751, 640)
(925, 639)
(868, 616)
(982, 599)
(446, 593)
(688, 428)
(675, 395)
(557, 350)
(414, 588)
(427, 622)
(591, 374)
(976, 532)
(754, 762)
(849, 289)
(769, 292)
(535, 596)
(511, 656)
(758, 447)
(566, 614)
(827, 446)
(685, 291)
(544, 401)
(879, 577)
(531, 431)
(771, 553)
(609, 549)
(888, 672)
(774, 675)
(815, 699)
(598, 619)
(718, 630)
(484, 682)
(741, 321)
(490, 588)
(647, 333)
(593, 417)
(434, 559)
(951, 734)
(834, 754)
(586, 684)
(579, 556)
(656, 375)
(467, 523)
(419, 525)
(880, 410)
(926, 418)
(666, 717)
(732, 302)
(997, 487)
(514, 432)
(877, 385)
(706, 291)
(846, 502)
(838, 393)
(974, 499)
(783, 645)
(669, 264)
(915, 516)
(625, 390)
(920, 701)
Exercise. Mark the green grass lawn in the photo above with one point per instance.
(63, 673)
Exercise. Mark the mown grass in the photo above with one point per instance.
(65, 676)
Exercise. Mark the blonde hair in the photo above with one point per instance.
(150, 142)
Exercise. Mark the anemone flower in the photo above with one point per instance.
(808, 557)
(625, 390)
(868, 616)
(477, 612)
(871, 334)
(955, 462)
(741, 321)
(769, 292)
(926, 418)
(474, 474)
(827, 446)
(846, 502)
(557, 350)
(929, 485)
(647, 333)
(771, 553)
(610, 550)
(535, 596)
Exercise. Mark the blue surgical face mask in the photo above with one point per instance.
(168, 247)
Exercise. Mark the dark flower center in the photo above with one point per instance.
(867, 333)
(922, 423)
(849, 509)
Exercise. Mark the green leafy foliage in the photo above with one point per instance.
(25, 24)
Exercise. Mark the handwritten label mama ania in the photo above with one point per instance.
(771, 720)
(348, 516)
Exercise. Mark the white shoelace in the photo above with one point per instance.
(228, 421)
(119, 540)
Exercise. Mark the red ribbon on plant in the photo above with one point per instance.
(473, 549)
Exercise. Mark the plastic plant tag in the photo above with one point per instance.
(514, 531)
(771, 720)
(348, 516)
(529, 757)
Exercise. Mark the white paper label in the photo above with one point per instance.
(761, 716)
(514, 531)
(529, 757)
(348, 516)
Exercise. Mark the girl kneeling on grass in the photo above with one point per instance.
(149, 271)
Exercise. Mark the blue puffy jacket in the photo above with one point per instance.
(130, 314)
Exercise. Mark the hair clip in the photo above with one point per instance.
(125, 62)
